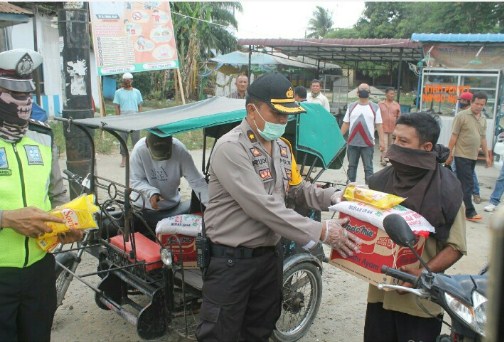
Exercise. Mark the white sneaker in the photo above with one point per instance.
(490, 207)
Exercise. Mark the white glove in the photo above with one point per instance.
(344, 242)
(336, 197)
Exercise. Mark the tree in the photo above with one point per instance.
(200, 28)
(320, 24)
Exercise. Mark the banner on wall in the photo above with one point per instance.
(133, 36)
(464, 56)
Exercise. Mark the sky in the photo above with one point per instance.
(289, 19)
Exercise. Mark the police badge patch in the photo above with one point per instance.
(265, 174)
(283, 151)
(255, 152)
(4, 164)
(33, 155)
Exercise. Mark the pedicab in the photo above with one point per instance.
(152, 279)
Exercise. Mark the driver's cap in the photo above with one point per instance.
(160, 148)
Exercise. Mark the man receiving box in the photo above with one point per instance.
(252, 172)
(434, 192)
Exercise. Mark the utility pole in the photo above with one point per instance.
(73, 27)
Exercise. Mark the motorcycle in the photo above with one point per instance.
(463, 297)
(144, 279)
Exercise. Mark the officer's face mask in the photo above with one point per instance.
(15, 108)
(363, 94)
(271, 131)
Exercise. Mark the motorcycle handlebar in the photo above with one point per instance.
(406, 277)
(72, 175)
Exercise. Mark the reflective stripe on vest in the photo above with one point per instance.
(25, 170)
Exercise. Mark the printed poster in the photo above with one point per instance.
(133, 36)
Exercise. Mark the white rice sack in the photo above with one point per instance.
(375, 216)
(185, 224)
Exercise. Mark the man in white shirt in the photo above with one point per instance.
(315, 96)
(361, 119)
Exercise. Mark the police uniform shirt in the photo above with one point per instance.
(247, 191)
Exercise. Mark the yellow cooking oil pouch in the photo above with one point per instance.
(77, 214)
(375, 198)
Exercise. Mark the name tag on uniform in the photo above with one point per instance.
(33, 155)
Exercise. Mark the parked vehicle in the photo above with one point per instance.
(463, 297)
(149, 292)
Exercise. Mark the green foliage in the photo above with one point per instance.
(320, 24)
(200, 28)
(402, 19)
(343, 33)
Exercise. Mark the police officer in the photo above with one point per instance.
(252, 172)
(30, 184)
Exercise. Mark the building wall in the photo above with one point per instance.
(49, 47)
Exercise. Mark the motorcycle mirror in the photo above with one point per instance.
(399, 231)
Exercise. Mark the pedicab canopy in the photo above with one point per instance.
(315, 132)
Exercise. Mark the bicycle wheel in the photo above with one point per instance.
(302, 292)
(63, 278)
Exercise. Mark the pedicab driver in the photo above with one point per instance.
(30, 185)
(252, 172)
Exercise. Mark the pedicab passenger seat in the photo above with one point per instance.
(146, 250)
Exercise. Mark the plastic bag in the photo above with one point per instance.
(375, 198)
(367, 213)
(77, 214)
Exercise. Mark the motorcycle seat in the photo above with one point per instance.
(146, 250)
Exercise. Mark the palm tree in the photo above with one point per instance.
(320, 24)
(201, 27)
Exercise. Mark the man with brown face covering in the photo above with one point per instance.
(156, 166)
(30, 185)
(434, 192)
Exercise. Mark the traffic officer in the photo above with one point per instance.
(30, 184)
(252, 172)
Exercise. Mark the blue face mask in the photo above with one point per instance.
(272, 131)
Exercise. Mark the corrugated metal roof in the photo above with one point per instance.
(5, 7)
(343, 50)
(458, 37)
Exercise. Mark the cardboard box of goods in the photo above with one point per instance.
(377, 250)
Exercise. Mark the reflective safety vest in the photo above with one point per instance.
(25, 171)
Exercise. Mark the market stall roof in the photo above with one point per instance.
(238, 58)
(458, 37)
(12, 15)
(342, 50)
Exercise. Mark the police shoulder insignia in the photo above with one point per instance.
(251, 136)
(288, 173)
(33, 155)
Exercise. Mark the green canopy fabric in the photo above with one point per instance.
(318, 134)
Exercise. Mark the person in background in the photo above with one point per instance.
(463, 103)
(361, 120)
(315, 96)
(128, 100)
(468, 134)
(390, 111)
(30, 185)
(300, 94)
(252, 173)
(241, 87)
(434, 192)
